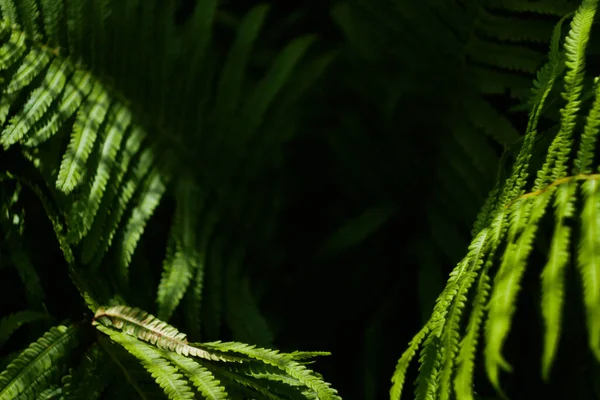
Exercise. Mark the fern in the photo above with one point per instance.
(37, 365)
(111, 144)
(513, 215)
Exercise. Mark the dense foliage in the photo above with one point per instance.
(189, 184)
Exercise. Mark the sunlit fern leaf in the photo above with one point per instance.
(32, 65)
(587, 147)
(76, 90)
(202, 378)
(6, 100)
(241, 385)
(146, 327)
(399, 376)
(117, 123)
(507, 281)
(13, 49)
(588, 261)
(9, 324)
(9, 10)
(109, 214)
(426, 386)
(553, 275)
(450, 336)
(151, 194)
(85, 130)
(38, 103)
(282, 361)
(175, 385)
(575, 45)
(463, 383)
(31, 371)
(135, 177)
(178, 269)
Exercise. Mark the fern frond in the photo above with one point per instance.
(12, 50)
(588, 261)
(465, 362)
(146, 327)
(152, 191)
(77, 89)
(30, 372)
(450, 336)
(117, 123)
(282, 361)
(178, 269)
(553, 275)
(32, 65)
(38, 103)
(506, 285)
(587, 147)
(202, 378)
(575, 44)
(109, 215)
(175, 385)
(85, 130)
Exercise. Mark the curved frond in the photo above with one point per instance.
(175, 385)
(146, 327)
(282, 361)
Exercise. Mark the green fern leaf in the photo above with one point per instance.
(13, 49)
(146, 327)
(115, 211)
(30, 371)
(174, 384)
(152, 192)
(33, 63)
(85, 131)
(553, 275)
(118, 121)
(450, 336)
(282, 361)
(588, 261)
(38, 103)
(202, 378)
(76, 90)
(178, 270)
(527, 214)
